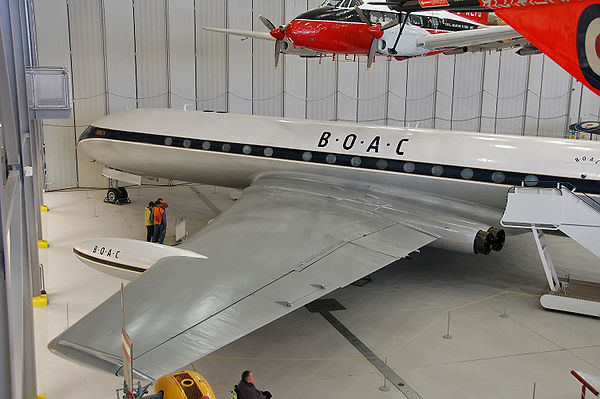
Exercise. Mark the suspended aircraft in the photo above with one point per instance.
(324, 204)
(567, 31)
(363, 28)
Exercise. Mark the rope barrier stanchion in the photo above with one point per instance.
(384, 387)
(447, 335)
(505, 315)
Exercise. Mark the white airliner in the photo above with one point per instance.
(324, 205)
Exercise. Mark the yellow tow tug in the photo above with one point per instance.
(185, 384)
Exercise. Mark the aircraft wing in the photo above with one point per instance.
(289, 240)
(491, 38)
(289, 49)
(243, 33)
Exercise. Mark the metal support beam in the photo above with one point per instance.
(5, 373)
(19, 229)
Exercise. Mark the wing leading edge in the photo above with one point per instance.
(288, 241)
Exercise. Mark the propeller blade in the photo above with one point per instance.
(277, 51)
(266, 22)
(362, 16)
(372, 50)
(391, 24)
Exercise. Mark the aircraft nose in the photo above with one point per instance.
(376, 31)
(278, 33)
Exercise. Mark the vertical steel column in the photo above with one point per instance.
(5, 373)
(524, 124)
(36, 126)
(104, 56)
(356, 117)
(435, 89)
(406, 91)
(168, 52)
(482, 88)
(196, 62)
(539, 113)
(497, 93)
(386, 111)
(135, 57)
(227, 72)
(18, 231)
(22, 58)
(5, 369)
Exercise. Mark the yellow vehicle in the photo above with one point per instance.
(184, 385)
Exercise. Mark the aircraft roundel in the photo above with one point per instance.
(588, 44)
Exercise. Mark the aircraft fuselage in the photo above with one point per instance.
(228, 150)
(334, 30)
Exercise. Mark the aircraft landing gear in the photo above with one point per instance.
(117, 196)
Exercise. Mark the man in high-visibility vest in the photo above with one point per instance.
(149, 221)
(160, 222)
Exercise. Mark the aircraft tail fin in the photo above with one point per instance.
(569, 33)
(475, 16)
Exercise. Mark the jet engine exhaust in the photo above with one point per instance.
(486, 241)
(499, 238)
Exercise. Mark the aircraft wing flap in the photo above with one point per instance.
(396, 240)
(468, 38)
(286, 242)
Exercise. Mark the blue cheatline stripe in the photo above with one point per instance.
(352, 161)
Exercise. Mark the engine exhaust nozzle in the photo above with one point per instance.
(499, 238)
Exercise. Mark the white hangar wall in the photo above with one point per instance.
(154, 53)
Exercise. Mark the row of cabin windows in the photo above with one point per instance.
(408, 167)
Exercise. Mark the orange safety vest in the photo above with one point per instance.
(158, 214)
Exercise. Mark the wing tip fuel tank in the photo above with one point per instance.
(126, 258)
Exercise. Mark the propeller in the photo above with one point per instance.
(375, 30)
(266, 22)
(277, 33)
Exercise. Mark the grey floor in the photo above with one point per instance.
(401, 315)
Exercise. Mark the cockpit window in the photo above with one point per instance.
(332, 3)
(341, 3)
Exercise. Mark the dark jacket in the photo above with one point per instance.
(248, 391)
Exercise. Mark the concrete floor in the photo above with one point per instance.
(401, 315)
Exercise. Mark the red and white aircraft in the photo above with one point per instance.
(568, 31)
(357, 27)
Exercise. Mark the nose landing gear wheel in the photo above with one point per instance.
(118, 196)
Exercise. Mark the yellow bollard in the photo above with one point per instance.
(38, 302)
